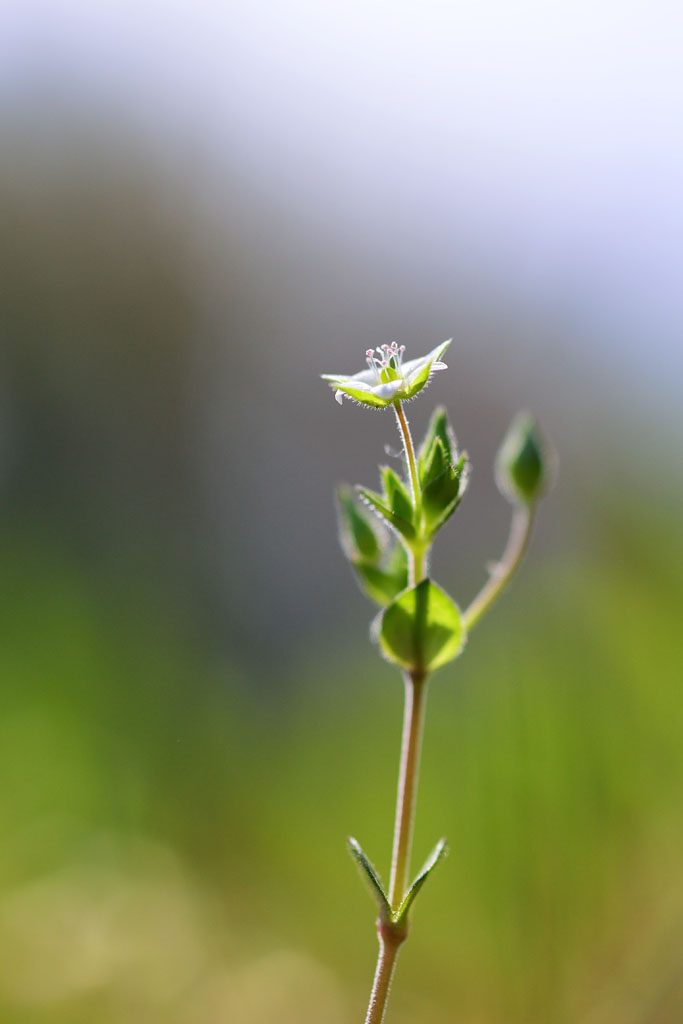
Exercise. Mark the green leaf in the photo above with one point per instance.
(522, 463)
(381, 585)
(435, 462)
(438, 427)
(443, 494)
(422, 629)
(396, 493)
(377, 502)
(439, 851)
(357, 528)
(371, 878)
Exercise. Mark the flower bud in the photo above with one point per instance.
(523, 463)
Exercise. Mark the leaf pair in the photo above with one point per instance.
(386, 914)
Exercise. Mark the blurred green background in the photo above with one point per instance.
(203, 208)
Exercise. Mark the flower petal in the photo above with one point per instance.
(364, 377)
(434, 356)
(388, 390)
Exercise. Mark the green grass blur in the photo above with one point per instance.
(173, 834)
(192, 718)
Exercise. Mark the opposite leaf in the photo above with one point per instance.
(438, 427)
(358, 533)
(443, 494)
(396, 493)
(422, 629)
(439, 851)
(371, 878)
(391, 518)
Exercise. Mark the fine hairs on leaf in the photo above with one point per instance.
(439, 851)
(387, 538)
(371, 878)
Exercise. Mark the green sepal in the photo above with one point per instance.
(422, 629)
(382, 585)
(523, 463)
(438, 427)
(371, 878)
(439, 851)
(358, 531)
(377, 502)
(443, 494)
(396, 493)
(361, 395)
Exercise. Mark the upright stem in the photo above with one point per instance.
(410, 455)
(391, 936)
(413, 723)
(386, 962)
(418, 551)
(520, 532)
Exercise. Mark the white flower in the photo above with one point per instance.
(388, 379)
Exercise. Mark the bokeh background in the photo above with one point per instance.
(203, 206)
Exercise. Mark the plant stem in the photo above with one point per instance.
(386, 961)
(410, 455)
(501, 573)
(390, 936)
(417, 551)
(413, 722)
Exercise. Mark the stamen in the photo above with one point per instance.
(387, 356)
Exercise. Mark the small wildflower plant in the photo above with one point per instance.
(387, 537)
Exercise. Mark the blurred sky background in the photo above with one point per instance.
(203, 206)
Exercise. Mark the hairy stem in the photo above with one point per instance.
(501, 573)
(390, 935)
(410, 455)
(413, 722)
(418, 550)
(386, 962)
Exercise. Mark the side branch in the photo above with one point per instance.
(502, 572)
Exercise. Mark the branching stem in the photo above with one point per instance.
(501, 573)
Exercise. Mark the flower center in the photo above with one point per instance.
(386, 364)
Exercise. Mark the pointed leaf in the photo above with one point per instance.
(370, 877)
(396, 493)
(377, 502)
(358, 531)
(439, 851)
(440, 492)
(435, 462)
(443, 495)
(422, 629)
(438, 427)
